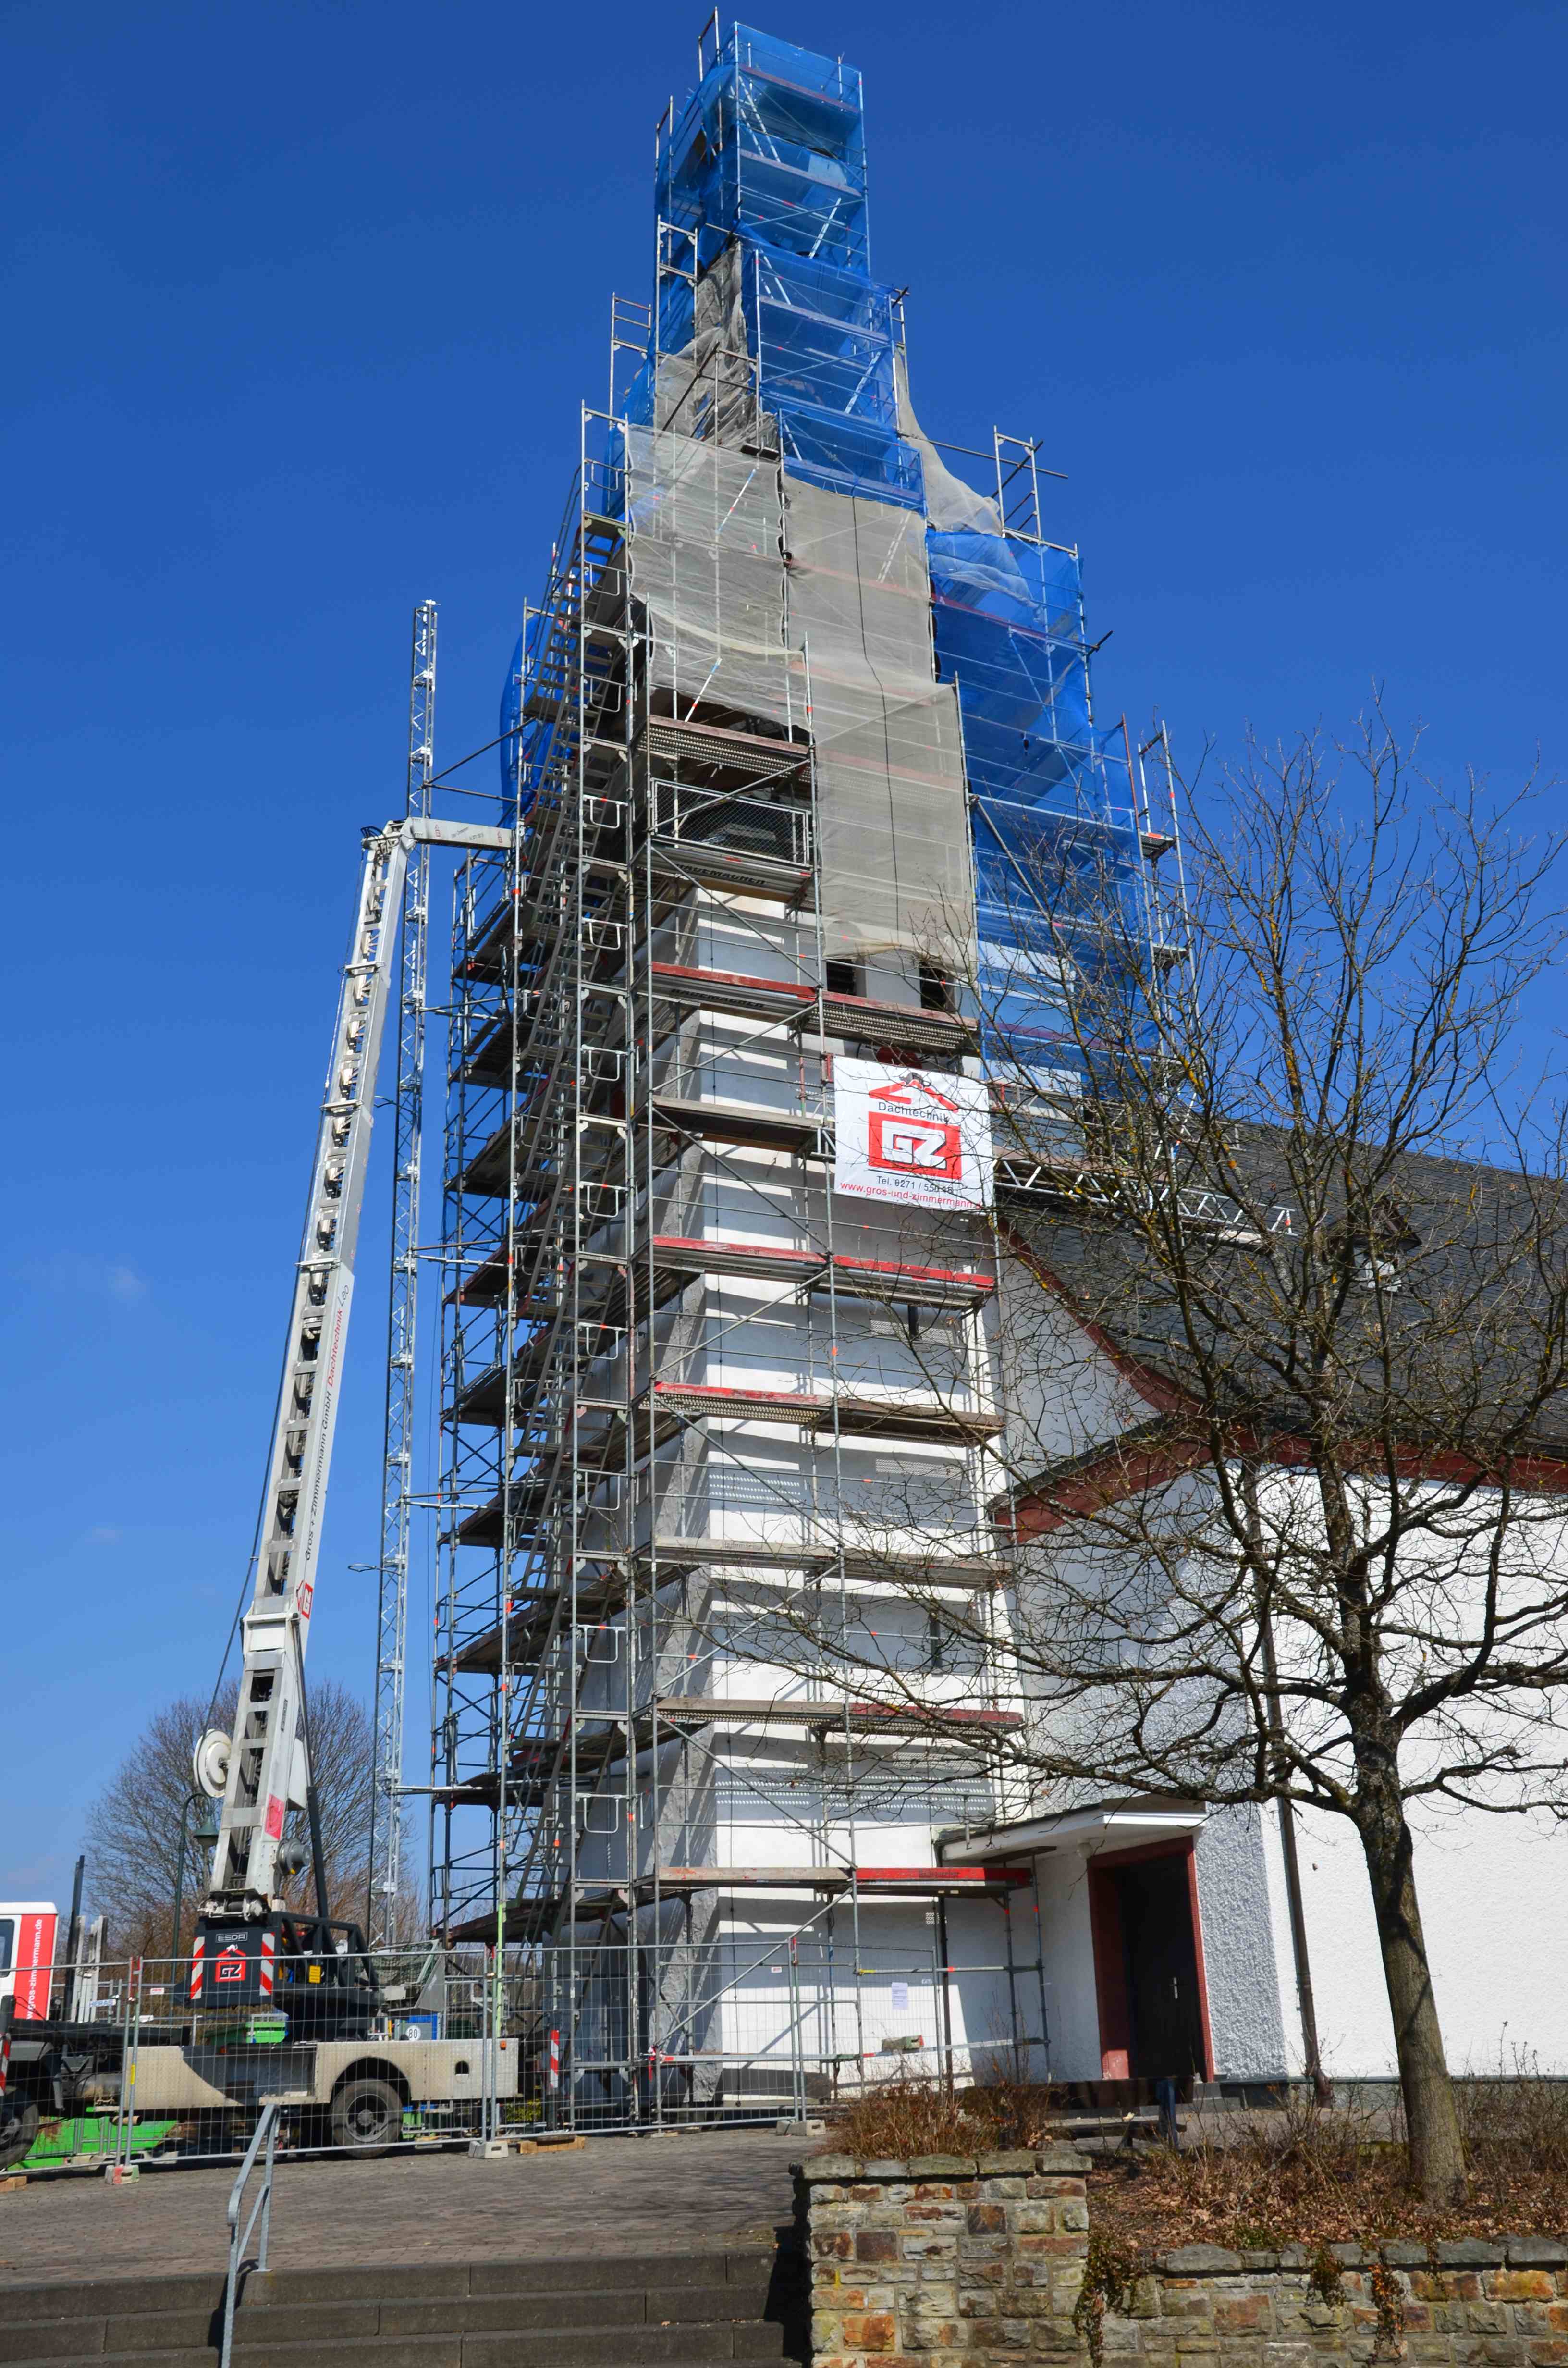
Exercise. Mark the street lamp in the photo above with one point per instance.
(206, 1831)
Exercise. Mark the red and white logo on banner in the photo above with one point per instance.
(899, 1143)
(910, 1135)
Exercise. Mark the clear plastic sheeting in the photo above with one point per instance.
(889, 755)
(703, 554)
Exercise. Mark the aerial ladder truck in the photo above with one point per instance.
(253, 1952)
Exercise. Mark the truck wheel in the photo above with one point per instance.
(18, 2130)
(366, 2114)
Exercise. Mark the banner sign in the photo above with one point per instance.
(910, 1135)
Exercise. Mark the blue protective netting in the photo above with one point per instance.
(771, 144)
(769, 150)
(1055, 825)
(823, 339)
(762, 174)
(527, 722)
(511, 736)
(1006, 618)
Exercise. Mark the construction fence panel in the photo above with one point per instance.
(535, 2042)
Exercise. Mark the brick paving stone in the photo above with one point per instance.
(618, 2195)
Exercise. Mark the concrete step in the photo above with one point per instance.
(533, 2275)
(436, 2352)
(655, 2310)
(273, 2321)
(652, 2347)
(202, 2358)
(450, 2349)
(625, 2316)
(98, 2297)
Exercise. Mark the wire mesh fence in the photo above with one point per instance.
(150, 2064)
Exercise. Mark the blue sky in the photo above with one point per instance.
(300, 303)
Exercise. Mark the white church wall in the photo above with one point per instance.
(1293, 2048)
(1068, 1950)
(1493, 1894)
(1062, 1393)
(1492, 1887)
(1355, 2033)
(1242, 1947)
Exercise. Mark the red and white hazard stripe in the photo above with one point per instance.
(198, 1969)
(269, 1952)
(555, 2059)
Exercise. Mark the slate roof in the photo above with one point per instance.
(1455, 1342)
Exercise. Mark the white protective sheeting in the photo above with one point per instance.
(706, 541)
(895, 871)
(703, 552)
(709, 387)
(949, 502)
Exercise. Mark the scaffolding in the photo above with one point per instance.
(398, 1488)
(795, 702)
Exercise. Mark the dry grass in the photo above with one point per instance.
(1303, 2175)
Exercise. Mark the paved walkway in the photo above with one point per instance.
(619, 2195)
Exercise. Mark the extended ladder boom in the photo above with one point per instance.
(267, 1769)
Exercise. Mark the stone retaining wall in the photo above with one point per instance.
(1479, 2305)
(945, 2256)
(953, 2261)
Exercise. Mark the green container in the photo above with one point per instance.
(89, 2134)
(257, 2030)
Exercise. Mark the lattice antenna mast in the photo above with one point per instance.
(397, 1465)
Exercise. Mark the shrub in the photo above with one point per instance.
(909, 2114)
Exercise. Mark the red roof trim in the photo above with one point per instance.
(1118, 1473)
(1153, 1388)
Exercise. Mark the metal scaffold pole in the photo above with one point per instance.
(397, 1464)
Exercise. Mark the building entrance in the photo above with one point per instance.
(1147, 1968)
(1164, 2007)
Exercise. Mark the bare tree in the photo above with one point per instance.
(133, 1828)
(1283, 1333)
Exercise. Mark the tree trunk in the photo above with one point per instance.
(1437, 2151)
